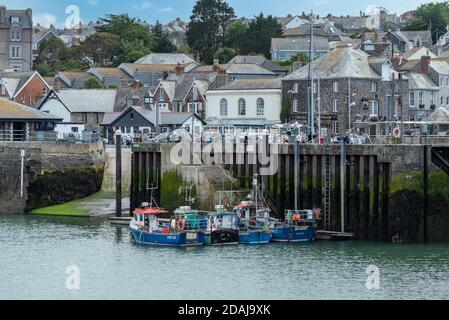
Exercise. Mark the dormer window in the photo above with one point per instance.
(15, 20)
(129, 102)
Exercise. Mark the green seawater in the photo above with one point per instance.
(35, 252)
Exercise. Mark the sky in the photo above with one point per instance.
(48, 12)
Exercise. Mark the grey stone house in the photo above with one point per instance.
(16, 38)
(346, 73)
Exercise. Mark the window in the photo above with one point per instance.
(373, 86)
(447, 81)
(96, 118)
(129, 102)
(131, 115)
(432, 99)
(335, 105)
(260, 107)
(242, 107)
(374, 108)
(296, 88)
(335, 87)
(314, 87)
(223, 107)
(295, 105)
(412, 99)
(442, 100)
(447, 101)
(420, 98)
(15, 36)
(44, 91)
(84, 117)
(335, 127)
(3, 90)
(15, 52)
(15, 20)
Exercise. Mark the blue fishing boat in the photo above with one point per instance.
(223, 227)
(148, 228)
(299, 226)
(254, 214)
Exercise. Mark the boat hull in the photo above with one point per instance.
(293, 234)
(224, 237)
(254, 237)
(169, 240)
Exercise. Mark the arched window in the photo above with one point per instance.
(260, 107)
(224, 107)
(242, 107)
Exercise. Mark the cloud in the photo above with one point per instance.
(165, 10)
(143, 5)
(92, 2)
(45, 19)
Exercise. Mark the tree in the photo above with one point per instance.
(236, 36)
(93, 83)
(102, 48)
(260, 32)
(208, 24)
(136, 40)
(285, 112)
(434, 16)
(161, 42)
(224, 55)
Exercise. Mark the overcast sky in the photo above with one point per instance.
(51, 11)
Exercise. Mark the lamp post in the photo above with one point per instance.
(118, 173)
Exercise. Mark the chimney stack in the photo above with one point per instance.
(2, 15)
(425, 62)
(57, 85)
(30, 15)
(179, 69)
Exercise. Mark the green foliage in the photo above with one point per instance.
(161, 42)
(224, 55)
(433, 15)
(208, 24)
(236, 36)
(285, 112)
(93, 83)
(260, 32)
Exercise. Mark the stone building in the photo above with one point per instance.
(16, 38)
(341, 74)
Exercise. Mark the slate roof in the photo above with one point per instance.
(259, 60)
(68, 76)
(298, 44)
(342, 62)
(14, 81)
(24, 19)
(108, 72)
(130, 68)
(245, 68)
(17, 111)
(182, 83)
(166, 58)
(125, 93)
(88, 100)
(440, 66)
(421, 81)
(252, 84)
(417, 53)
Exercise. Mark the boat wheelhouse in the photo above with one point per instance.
(148, 228)
(299, 226)
(223, 226)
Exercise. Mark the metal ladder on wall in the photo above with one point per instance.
(327, 191)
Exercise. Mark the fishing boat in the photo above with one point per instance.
(223, 226)
(299, 226)
(148, 228)
(254, 217)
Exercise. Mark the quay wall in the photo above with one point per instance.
(54, 173)
(384, 187)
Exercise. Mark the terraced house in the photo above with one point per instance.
(16, 38)
(349, 88)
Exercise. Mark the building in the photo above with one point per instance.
(72, 80)
(245, 103)
(291, 21)
(150, 74)
(110, 76)
(22, 123)
(16, 39)
(348, 87)
(285, 48)
(82, 107)
(134, 97)
(402, 41)
(261, 61)
(166, 58)
(24, 87)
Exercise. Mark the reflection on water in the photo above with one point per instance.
(35, 252)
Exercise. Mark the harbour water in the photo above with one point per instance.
(36, 251)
